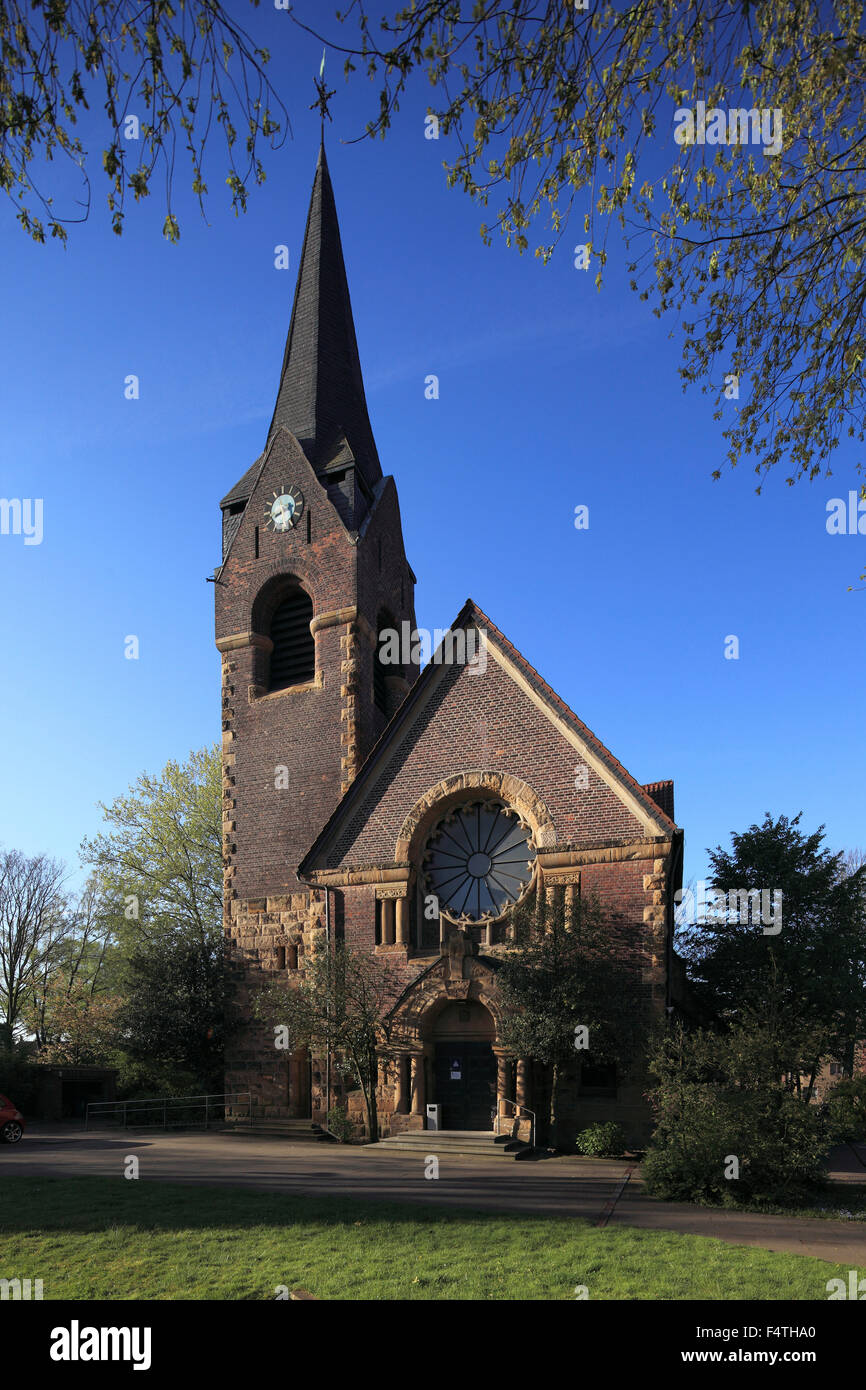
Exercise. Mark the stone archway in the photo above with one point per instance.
(455, 789)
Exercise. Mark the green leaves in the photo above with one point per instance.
(175, 1008)
(163, 849)
(811, 977)
(720, 1096)
(546, 102)
(56, 58)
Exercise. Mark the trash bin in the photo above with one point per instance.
(434, 1116)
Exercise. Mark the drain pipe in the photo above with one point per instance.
(675, 881)
(328, 1042)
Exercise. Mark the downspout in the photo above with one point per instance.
(675, 882)
(328, 1043)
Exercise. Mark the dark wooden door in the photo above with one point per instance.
(465, 1081)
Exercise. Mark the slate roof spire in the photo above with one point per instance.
(321, 392)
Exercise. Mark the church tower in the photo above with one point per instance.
(313, 567)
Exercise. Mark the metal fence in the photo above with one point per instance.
(171, 1112)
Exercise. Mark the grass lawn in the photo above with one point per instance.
(94, 1238)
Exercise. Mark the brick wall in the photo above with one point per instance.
(474, 721)
(318, 734)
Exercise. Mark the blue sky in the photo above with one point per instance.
(551, 395)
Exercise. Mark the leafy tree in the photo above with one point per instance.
(83, 1026)
(340, 1007)
(555, 109)
(77, 964)
(551, 110)
(33, 925)
(809, 980)
(728, 1131)
(570, 969)
(164, 74)
(175, 1012)
(147, 1080)
(160, 860)
(845, 1110)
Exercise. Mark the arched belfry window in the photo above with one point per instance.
(293, 660)
(386, 661)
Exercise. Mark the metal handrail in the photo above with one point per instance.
(517, 1104)
(126, 1108)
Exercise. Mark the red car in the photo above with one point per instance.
(11, 1122)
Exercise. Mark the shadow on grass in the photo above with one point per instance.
(92, 1203)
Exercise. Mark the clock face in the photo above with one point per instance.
(285, 510)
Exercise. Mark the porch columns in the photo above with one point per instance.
(388, 921)
(502, 1085)
(550, 905)
(402, 1095)
(521, 1090)
(540, 900)
(417, 1083)
(402, 921)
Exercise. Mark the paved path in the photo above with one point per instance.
(552, 1187)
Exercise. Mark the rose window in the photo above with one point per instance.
(479, 860)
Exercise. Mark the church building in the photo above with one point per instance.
(359, 788)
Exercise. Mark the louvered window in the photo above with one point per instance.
(293, 660)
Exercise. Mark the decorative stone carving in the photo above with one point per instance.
(458, 989)
(459, 945)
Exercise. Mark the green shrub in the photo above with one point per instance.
(147, 1080)
(845, 1111)
(601, 1141)
(718, 1101)
(775, 1139)
(340, 1125)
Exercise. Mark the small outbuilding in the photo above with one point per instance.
(63, 1092)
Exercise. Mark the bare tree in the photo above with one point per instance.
(852, 860)
(32, 925)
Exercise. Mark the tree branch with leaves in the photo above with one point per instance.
(167, 74)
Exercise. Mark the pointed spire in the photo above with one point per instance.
(321, 394)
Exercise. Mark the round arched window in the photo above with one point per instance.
(479, 860)
(293, 659)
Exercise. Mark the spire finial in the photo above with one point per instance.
(324, 96)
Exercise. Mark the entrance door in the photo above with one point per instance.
(300, 1085)
(465, 1078)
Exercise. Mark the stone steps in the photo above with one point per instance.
(278, 1127)
(474, 1143)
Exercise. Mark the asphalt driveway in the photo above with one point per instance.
(593, 1189)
